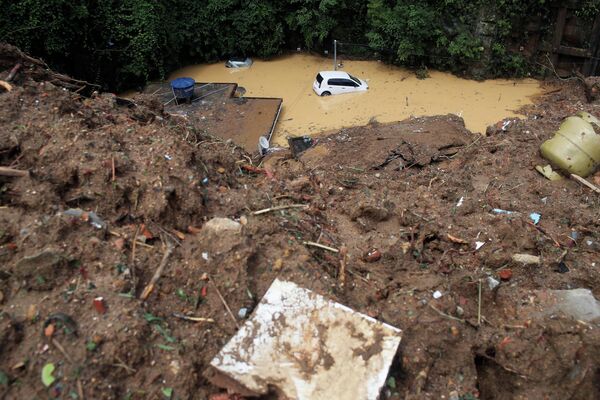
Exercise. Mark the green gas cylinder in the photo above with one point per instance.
(575, 147)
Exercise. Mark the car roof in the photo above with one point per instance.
(334, 74)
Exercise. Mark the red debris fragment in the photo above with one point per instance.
(49, 330)
(146, 232)
(252, 168)
(505, 274)
(372, 255)
(100, 305)
(504, 342)
(193, 230)
(119, 243)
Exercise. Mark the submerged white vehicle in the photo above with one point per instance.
(239, 62)
(337, 82)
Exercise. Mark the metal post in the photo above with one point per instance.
(334, 55)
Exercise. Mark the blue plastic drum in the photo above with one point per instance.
(183, 88)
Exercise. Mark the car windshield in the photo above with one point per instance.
(358, 82)
(319, 79)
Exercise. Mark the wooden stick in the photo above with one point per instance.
(132, 269)
(80, 389)
(443, 314)
(541, 230)
(60, 348)
(343, 262)
(193, 319)
(139, 242)
(7, 86)
(148, 289)
(479, 305)
(321, 246)
(225, 303)
(13, 72)
(113, 168)
(5, 171)
(586, 183)
(266, 210)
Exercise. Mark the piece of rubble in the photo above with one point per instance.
(577, 303)
(526, 259)
(219, 235)
(219, 225)
(307, 348)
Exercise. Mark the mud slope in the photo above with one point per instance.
(395, 188)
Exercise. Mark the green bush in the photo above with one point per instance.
(123, 43)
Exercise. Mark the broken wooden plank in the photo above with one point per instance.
(6, 171)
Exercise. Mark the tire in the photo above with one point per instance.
(326, 93)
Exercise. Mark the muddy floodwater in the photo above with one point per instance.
(394, 94)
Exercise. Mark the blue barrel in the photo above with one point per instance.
(183, 88)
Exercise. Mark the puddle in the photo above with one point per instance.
(394, 94)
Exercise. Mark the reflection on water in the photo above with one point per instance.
(394, 94)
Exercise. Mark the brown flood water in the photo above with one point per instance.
(394, 94)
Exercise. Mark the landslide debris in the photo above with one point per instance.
(417, 193)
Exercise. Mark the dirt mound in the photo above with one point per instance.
(114, 189)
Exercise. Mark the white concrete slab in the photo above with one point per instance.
(309, 348)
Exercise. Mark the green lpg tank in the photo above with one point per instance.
(575, 147)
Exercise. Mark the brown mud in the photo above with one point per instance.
(394, 94)
(394, 187)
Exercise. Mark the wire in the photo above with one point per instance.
(429, 55)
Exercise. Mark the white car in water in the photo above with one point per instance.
(337, 82)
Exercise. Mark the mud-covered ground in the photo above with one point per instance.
(420, 192)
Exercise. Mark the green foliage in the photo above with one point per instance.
(589, 10)
(505, 63)
(405, 27)
(313, 19)
(123, 43)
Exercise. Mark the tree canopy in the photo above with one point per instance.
(123, 43)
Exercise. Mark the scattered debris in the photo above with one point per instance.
(457, 240)
(535, 217)
(586, 183)
(492, 283)
(6, 86)
(577, 303)
(243, 313)
(343, 264)
(505, 274)
(321, 246)
(220, 225)
(526, 259)
(298, 145)
(279, 208)
(6, 171)
(306, 343)
(157, 274)
(47, 374)
(100, 305)
(501, 211)
(372, 255)
(562, 267)
(225, 303)
(437, 294)
(86, 216)
(62, 320)
(575, 148)
(460, 202)
(406, 209)
(548, 172)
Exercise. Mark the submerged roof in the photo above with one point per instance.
(334, 74)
